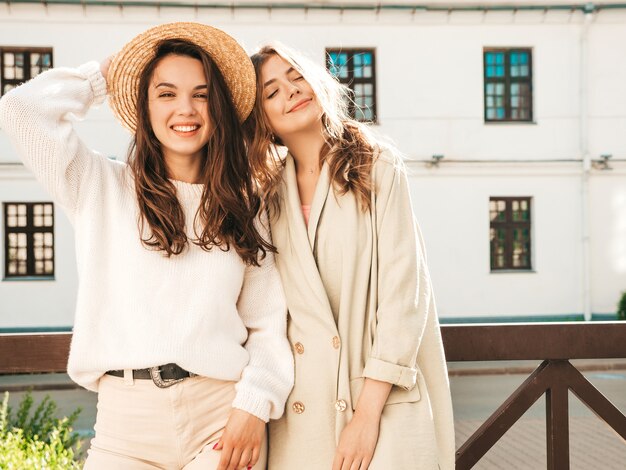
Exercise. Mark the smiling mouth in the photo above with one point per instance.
(300, 105)
(185, 129)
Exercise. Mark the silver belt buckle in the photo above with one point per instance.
(159, 381)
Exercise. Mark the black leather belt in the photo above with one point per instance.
(163, 376)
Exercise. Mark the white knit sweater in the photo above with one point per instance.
(136, 308)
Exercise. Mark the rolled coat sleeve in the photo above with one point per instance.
(403, 284)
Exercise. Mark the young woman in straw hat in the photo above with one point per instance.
(371, 387)
(180, 319)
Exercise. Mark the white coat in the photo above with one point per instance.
(360, 305)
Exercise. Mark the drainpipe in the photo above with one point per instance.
(586, 161)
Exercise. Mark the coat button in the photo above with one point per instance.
(336, 342)
(341, 405)
(299, 348)
(298, 407)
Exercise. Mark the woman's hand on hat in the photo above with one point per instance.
(241, 442)
(104, 66)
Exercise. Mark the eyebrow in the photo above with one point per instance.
(170, 85)
(272, 80)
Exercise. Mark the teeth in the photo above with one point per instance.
(184, 128)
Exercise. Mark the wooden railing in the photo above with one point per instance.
(553, 343)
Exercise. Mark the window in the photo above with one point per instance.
(28, 239)
(510, 233)
(18, 65)
(356, 68)
(508, 85)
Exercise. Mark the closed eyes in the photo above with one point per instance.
(273, 93)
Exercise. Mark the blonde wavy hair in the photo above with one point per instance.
(350, 149)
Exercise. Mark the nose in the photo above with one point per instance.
(185, 106)
(294, 90)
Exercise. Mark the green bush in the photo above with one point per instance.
(37, 440)
(621, 307)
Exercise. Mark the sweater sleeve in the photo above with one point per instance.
(37, 118)
(404, 290)
(268, 378)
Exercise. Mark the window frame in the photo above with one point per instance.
(509, 225)
(507, 80)
(27, 65)
(351, 80)
(30, 229)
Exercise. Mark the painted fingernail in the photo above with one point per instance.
(215, 445)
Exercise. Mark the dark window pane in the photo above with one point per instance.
(29, 239)
(497, 210)
(22, 64)
(510, 233)
(39, 267)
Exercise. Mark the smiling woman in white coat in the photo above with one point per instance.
(371, 385)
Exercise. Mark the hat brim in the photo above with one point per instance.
(228, 55)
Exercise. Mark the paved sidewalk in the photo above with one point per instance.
(593, 445)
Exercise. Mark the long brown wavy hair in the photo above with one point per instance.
(350, 148)
(229, 201)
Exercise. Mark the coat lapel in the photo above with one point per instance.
(303, 238)
(317, 205)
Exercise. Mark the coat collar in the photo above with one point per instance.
(296, 219)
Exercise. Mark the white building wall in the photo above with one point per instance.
(452, 203)
(608, 236)
(429, 82)
(37, 303)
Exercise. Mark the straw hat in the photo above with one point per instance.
(228, 55)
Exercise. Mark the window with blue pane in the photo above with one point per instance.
(508, 84)
(18, 65)
(356, 69)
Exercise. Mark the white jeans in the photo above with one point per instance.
(142, 427)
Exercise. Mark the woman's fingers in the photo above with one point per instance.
(235, 458)
(244, 460)
(365, 463)
(241, 441)
(104, 66)
(337, 461)
(356, 464)
(225, 457)
(256, 452)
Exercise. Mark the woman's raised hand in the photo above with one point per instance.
(241, 442)
(104, 66)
